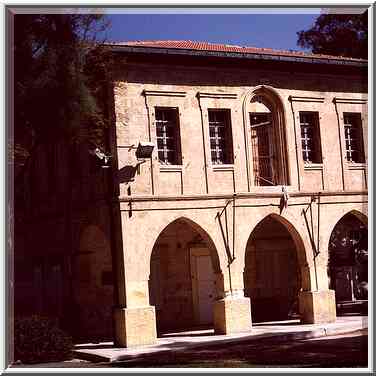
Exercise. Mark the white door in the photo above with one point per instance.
(203, 283)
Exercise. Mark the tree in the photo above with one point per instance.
(55, 95)
(60, 98)
(337, 34)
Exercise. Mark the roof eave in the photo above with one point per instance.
(246, 55)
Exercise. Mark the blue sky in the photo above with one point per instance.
(259, 30)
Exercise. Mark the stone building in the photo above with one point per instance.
(251, 207)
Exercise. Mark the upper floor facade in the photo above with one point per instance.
(229, 126)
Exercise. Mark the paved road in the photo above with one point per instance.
(347, 350)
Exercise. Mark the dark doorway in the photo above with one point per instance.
(272, 276)
(348, 260)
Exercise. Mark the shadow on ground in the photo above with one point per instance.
(344, 351)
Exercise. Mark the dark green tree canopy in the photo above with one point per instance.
(338, 35)
(56, 93)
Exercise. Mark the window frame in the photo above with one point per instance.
(358, 126)
(267, 135)
(312, 152)
(227, 146)
(177, 161)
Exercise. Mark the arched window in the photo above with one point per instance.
(266, 130)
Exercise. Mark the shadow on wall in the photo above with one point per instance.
(93, 294)
(126, 174)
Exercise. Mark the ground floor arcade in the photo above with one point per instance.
(149, 267)
(227, 264)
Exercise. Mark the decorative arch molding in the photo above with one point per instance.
(273, 99)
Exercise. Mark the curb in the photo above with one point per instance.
(301, 335)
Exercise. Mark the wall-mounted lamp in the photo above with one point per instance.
(144, 150)
(103, 158)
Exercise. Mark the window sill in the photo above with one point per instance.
(356, 166)
(170, 168)
(313, 166)
(223, 167)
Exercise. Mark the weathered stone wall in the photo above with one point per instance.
(230, 90)
(153, 196)
(153, 216)
(93, 277)
(139, 88)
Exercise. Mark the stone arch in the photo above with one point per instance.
(185, 276)
(348, 258)
(93, 283)
(356, 213)
(275, 268)
(200, 230)
(361, 216)
(270, 99)
(92, 237)
(299, 244)
(331, 221)
(300, 248)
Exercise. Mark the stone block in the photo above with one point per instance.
(232, 315)
(135, 326)
(317, 306)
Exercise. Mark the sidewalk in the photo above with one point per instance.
(279, 331)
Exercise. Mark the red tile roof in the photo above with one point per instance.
(205, 46)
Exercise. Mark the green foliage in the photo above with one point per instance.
(337, 34)
(37, 340)
(56, 95)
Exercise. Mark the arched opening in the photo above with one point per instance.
(185, 277)
(348, 261)
(268, 140)
(93, 280)
(272, 277)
